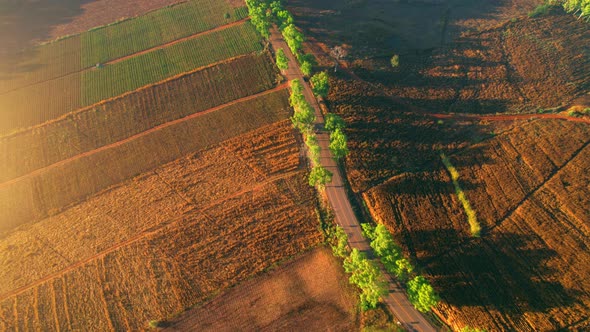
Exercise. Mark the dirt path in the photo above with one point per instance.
(129, 56)
(139, 135)
(396, 299)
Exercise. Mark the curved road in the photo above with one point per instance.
(396, 299)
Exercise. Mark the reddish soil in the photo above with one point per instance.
(184, 231)
(524, 174)
(309, 293)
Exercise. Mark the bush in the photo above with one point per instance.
(540, 10)
(395, 61)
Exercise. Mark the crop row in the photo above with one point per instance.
(42, 102)
(133, 113)
(52, 189)
(99, 45)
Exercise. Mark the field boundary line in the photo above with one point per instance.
(142, 134)
(123, 95)
(193, 212)
(132, 55)
(539, 187)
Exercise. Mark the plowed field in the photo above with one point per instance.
(182, 231)
(308, 292)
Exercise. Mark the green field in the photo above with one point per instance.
(100, 45)
(136, 112)
(45, 101)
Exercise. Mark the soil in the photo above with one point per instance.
(309, 293)
(184, 231)
(492, 92)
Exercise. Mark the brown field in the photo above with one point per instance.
(182, 231)
(90, 128)
(530, 191)
(526, 178)
(310, 291)
(48, 190)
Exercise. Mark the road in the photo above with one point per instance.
(396, 299)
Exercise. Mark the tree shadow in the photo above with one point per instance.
(506, 271)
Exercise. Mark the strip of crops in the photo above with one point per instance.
(49, 100)
(100, 45)
(131, 114)
(34, 198)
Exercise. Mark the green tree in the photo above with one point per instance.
(338, 144)
(320, 84)
(471, 329)
(306, 68)
(340, 242)
(282, 61)
(388, 251)
(293, 37)
(314, 148)
(421, 294)
(319, 176)
(365, 274)
(395, 61)
(334, 122)
(303, 118)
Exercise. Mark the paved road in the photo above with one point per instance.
(396, 300)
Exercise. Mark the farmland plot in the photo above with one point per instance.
(82, 266)
(45, 101)
(73, 54)
(133, 113)
(52, 188)
(530, 190)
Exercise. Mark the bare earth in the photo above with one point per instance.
(310, 292)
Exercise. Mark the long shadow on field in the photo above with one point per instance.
(371, 26)
(386, 141)
(27, 21)
(507, 271)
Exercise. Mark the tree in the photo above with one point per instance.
(293, 37)
(338, 144)
(334, 122)
(314, 148)
(320, 84)
(421, 294)
(303, 118)
(365, 275)
(282, 61)
(395, 61)
(338, 53)
(319, 176)
(340, 245)
(306, 68)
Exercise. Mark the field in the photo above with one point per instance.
(82, 260)
(525, 176)
(50, 189)
(90, 128)
(62, 95)
(306, 292)
(104, 44)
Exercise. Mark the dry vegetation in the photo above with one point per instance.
(525, 179)
(184, 231)
(307, 292)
